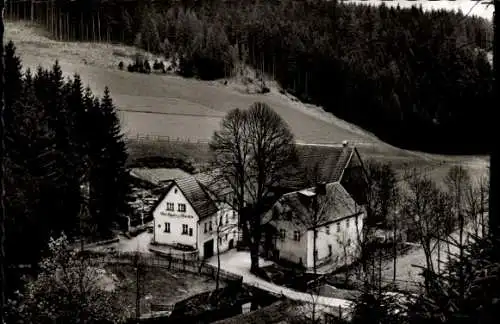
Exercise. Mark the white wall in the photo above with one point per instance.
(176, 220)
(340, 233)
(227, 231)
(290, 249)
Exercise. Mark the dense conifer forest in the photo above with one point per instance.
(417, 80)
(65, 162)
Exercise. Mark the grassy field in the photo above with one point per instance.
(168, 106)
(157, 285)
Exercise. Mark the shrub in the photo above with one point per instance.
(120, 65)
(265, 90)
(147, 67)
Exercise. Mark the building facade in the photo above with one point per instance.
(332, 231)
(188, 216)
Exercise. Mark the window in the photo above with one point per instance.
(225, 237)
(338, 227)
(227, 219)
(167, 227)
(170, 206)
(220, 240)
(181, 208)
(347, 223)
(190, 232)
(210, 226)
(327, 230)
(330, 250)
(220, 220)
(282, 234)
(184, 229)
(206, 228)
(296, 236)
(234, 214)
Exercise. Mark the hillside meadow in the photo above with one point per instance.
(167, 115)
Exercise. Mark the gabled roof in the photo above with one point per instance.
(336, 204)
(214, 184)
(158, 175)
(196, 195)
(327, 164)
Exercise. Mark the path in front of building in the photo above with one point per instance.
(238, 263)
(140, 243)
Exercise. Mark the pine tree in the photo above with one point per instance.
(110, 188)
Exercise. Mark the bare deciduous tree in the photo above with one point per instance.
(253, 150)
(382, 194)
(476, 206)
(425, 208)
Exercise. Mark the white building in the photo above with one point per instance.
(191, 215)
(337, 220)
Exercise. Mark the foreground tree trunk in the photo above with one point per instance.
(494, 216)
(2, 171)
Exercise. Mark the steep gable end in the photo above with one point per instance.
(203, 205)
(193, 192)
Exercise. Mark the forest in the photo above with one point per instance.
(415, 79)
(65, 163)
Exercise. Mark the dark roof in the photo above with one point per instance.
(279, 312)
(336, 205)
(156, 176)
(198, 197)
(327, 163)
(213, 182)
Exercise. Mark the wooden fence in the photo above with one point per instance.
(166, 139)
(171, 262)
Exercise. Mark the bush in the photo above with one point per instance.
(120, 65)
(131, 68)
(265, 90)
(162, 162)
(158, 66)
(147, 67)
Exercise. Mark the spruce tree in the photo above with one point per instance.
(110, 188)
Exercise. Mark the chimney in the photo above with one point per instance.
(345, 143)
(321, 188)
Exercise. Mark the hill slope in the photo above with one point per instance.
(174, 107)
(168, 105)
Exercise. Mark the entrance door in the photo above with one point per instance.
(208, 249)
(231, 243)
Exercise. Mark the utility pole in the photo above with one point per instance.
(2, 166)
(395, 248)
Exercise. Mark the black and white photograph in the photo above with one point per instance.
(249, 162)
